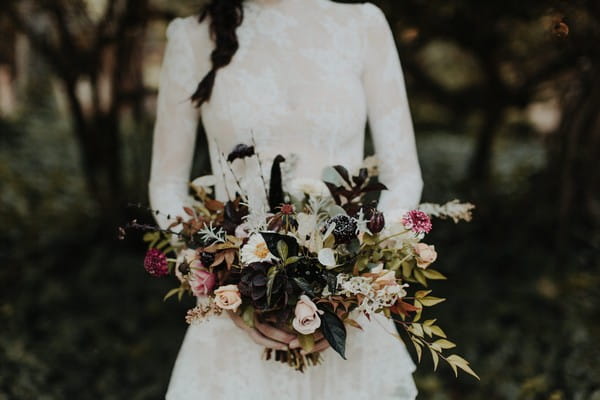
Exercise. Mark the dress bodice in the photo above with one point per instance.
(306, 78)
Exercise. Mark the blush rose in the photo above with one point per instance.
(228, 297)
(425, 255)
(306, 320)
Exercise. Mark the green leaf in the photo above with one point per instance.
(151, 236)
(329, 242)
(438, 331)
(248, 316)
(271, 275)
(334, 331)
(457, 361)
(407, 268)
(282, 250)
(369, 239)
(163, 244)
(394, 264)
(435, 357)
(445, 344)
(292, 260)
(422, 293)
(431, 301)
(433, 274)
(272, 240)
(305, 286)
(171, 293)
(417, 329)
(418, 348)
(307, 342)
(418, 274)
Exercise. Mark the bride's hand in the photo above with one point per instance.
(273, 338)
(264, 334)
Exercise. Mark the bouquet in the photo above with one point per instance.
(319, 255)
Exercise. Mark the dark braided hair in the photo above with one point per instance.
(225, 16)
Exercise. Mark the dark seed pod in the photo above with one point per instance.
(377, 222)
(184, 268)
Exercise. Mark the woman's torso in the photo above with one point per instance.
(293, 87)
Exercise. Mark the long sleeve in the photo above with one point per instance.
(389, 116)
(175, 128)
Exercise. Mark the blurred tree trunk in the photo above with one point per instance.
(575, 153)
(105, 55)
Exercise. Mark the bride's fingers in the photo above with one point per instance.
(265, 341)
(274, 333)
(255, 335)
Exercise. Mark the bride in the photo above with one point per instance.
(298, 78)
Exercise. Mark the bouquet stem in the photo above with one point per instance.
(294, 358)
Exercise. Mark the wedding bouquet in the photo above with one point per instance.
(317, 257)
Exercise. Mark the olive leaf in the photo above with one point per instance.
(271, 275)
(272, 240)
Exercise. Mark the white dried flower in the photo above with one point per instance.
(453, 209)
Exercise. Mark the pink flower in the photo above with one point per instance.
(156, 263)
(201, 282)
(307, 318)
(417, 221)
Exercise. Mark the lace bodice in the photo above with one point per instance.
(307, 76)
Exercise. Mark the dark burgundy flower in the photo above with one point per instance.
(377, 222)
(417, 221)
(156, 263)
(345, 228)
(253, 285)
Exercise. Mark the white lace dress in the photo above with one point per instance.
(305, 79)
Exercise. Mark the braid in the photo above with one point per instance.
(225, 17)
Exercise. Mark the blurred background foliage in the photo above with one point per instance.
(505, 97)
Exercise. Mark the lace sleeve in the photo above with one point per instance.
(389, 116)
(175, 128)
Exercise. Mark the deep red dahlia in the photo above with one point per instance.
(156, 263)
(417, 221)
